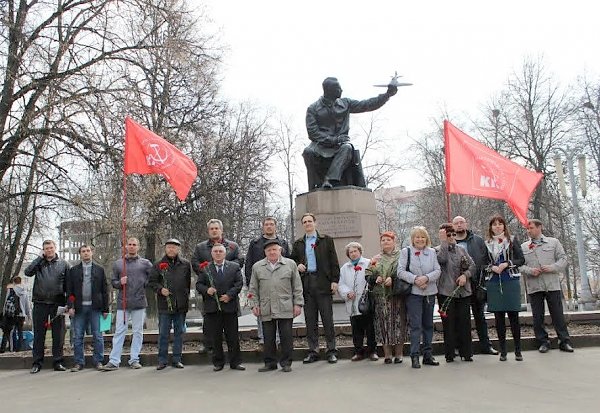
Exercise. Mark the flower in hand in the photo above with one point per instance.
(443, 314)
(203, 265)
(163, 266)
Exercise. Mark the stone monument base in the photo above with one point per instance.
(346, 214)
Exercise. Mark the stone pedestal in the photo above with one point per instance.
(346, 214)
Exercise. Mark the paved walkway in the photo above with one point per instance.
(553, 382)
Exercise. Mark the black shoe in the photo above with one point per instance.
(397, 360)
(311, 358)
(566, 347)
(468, 358)
(544, 348)
(238, 367)
(267, 368)
(286, 369)
(178, 365)
(490, 350)
(331, 359)
(415, 362)
(217, 368)
(59, 367)
(503, 357)
(35, 369)
(449, 359)
(387, 361)
(161, 366)
(518, 355)
(430, 361)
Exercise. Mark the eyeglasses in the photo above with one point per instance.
(450, 234)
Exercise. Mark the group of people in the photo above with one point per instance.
(400, 287)
(465, 272)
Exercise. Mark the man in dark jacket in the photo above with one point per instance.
(171, 279)
(130, 277)
(87, 300)
(202, 253)
(220, 282)
(320, 271)
(256, 252)
(48, 294)
(475, 246)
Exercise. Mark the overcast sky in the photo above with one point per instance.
(457, 53)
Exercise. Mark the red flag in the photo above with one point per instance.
(148, 153)
(474, 169)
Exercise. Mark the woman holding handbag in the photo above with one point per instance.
(390, 311)
(351, 287)
(504, 282)
(419, 266)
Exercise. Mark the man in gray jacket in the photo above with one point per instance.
(130, 276)
(275, 295)
(48, 294)
(545, 260)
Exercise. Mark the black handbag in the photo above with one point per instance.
(399, 286)
(365, 303)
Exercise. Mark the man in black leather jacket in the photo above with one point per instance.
(48, 294)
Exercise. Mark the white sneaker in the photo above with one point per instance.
(135, 365)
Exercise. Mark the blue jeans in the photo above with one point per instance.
(82, 318)
(419, 309)
(137, 327)
(165, 321)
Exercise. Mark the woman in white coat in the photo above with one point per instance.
(351, 286)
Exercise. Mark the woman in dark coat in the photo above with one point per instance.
(504, 282)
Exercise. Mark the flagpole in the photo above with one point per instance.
(446, 168)
(124, 231)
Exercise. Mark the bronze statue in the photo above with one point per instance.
(330, 158)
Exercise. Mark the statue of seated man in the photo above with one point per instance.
(330, 158)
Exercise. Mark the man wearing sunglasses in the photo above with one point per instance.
(475, 246)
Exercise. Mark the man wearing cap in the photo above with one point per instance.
(130, 277)
(220, 282)
(202, 253)
(256, 253)
(170, 279)
(275, 295)
(317, 261)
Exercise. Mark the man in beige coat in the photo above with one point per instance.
(545, 261)
(275, 294)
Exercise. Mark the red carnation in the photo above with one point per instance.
(443, 314)
(500, 240)
(203, 265)
(163, 266)
(531, 245)
(313, 246)
(47, 324)
(357, 268)
(71, 298)
(250, 296)
(417, 253)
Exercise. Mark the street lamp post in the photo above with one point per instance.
(586, 293)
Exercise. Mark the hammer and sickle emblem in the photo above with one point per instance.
(156, 158)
